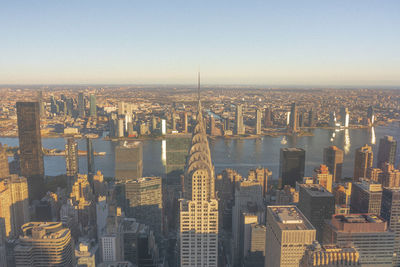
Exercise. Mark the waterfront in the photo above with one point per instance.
(237, 154)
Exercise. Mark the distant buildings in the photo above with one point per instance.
(81, 105)
(323, 177)
(128, 161)
(294, 119)
(258, 122)
(30, 145)
(368, 233)
(363, 160)
(44, 244)
(387, 151)
(333, 159)
(289, 233)
(93, 106)
(90, 157)
(268, 122)
(291, 166)
(240, 127)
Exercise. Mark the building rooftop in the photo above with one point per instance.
(358, 223)
(292, 149)
(290, 218)
(369, 185)
(316, 190)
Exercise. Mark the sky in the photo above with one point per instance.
(304, 43)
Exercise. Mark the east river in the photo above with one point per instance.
(238, 154)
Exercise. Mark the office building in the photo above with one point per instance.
(323, 177)
(330, 255)
(41, 104)
(317, 204)
(289, 233)
(81, 105)
(44, 244)
(291, 166)
(198, 233)
(85, 253)
(144, 201)
(71, 161)
(391, 213)
(30, 146)
(268, 122)
(5, 207)
(240, 127)
(177, 146)
(4, 168)
(263, 176)
(128, 161)
(333, 159)
(363, 160)
(366, 197)
(258, 122)
(375, 174)
(93, 106)
(312, 118)
(99, 187)
(387, 151)
(256, 251)
(368, 234)
(294, 119)
(90, 157)
(3, 244)
(20, 213)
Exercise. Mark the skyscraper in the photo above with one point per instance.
(344, 117)
(41, 104)
(128, 161)
(90, 157)
(81, 105)
(387, 151)
(240, 128)
(144, 201)
(317, 204)
(366, 197)
(4, 168)
(391, 213)
(267, 118)
(177, 150)
(289, 233)
(93, 106)
(333, 159)
(71, 160)
(258, 121)
(45, 244)
(30, 146)
(323, 177)
(291, 166)
(294, 119)
(5, 207)
(363, 160)
(312, 118)
(20, 213)
(368, 233)
(198, 234)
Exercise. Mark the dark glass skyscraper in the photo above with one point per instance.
(93, 106)
(387, 151)
(294, 119)
(81, 105)
(333, 159)
(90, 157)
(30, 145)
(291, 165)
(129, 161)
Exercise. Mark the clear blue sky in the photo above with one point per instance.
(297, 42)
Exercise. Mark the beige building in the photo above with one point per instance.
(289, 233)
(5, 207)
(198, 235)
(44, 244)
(19, 203)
